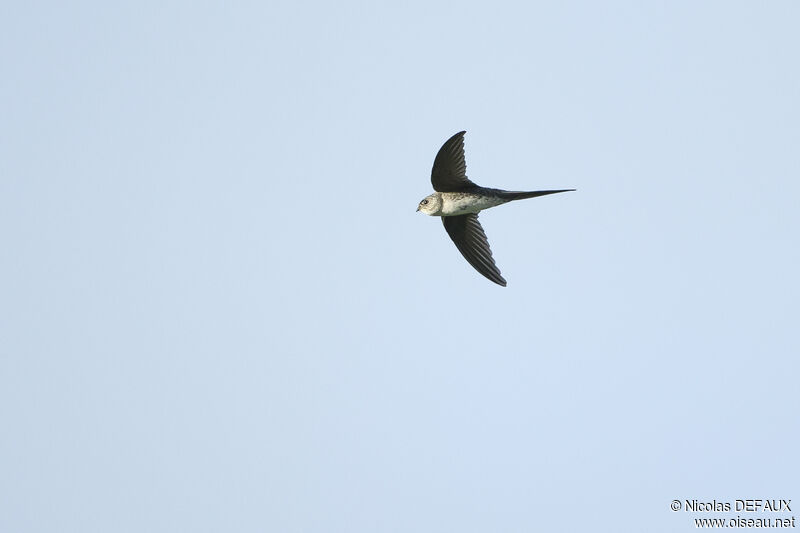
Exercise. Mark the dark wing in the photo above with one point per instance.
(449, 172)
(467, 233)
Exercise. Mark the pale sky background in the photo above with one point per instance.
(219, 311)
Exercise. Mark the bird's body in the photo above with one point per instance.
(462, 203)
(458, 201)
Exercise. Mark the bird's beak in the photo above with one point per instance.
(417, 208)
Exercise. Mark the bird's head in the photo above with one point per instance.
(431, 204)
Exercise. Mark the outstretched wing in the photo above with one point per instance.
(449, 172)
(468, 235)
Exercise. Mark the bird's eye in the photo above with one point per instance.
(424, 202)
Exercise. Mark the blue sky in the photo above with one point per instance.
(219, 310)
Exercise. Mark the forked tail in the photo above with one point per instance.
(514, 195)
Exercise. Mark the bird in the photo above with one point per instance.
(458, 201)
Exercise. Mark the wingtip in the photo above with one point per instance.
(499, 280)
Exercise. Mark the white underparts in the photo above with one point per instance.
(460, 203)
